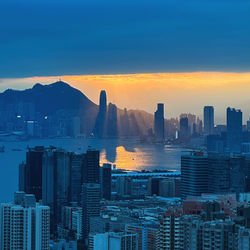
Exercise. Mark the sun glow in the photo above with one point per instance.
(181, 92)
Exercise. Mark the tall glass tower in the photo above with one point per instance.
(159, 123)
(234, 130)
(208, 116)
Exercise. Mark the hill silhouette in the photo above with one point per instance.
(61, 100)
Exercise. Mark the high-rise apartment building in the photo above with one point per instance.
(169, 236)
(191, 232)
(113, 241)
(147, 234)
(219, 235)
(25, 224)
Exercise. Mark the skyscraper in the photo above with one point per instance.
(76, 176)
(91, 190)
(184, 131)
(24, 224)
(90, 205)
(105, 180)
(208, 115)
(33, 172)
(159, 123)
(194, 174)
(112, 122)
(56, 182)
(91, 168)
(219, 173)
(61, 182)
(234, 130)
(100, 124)
(169, 235)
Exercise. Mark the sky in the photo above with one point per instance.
(140, 39)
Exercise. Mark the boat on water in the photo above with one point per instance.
(16, 149)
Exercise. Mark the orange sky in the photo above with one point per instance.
(181, 92)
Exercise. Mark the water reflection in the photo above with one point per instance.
(126, 154)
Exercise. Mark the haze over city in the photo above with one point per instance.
(124, 124)
(181, 92)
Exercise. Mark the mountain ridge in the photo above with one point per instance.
(50, 99)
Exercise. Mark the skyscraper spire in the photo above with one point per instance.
(100, 124)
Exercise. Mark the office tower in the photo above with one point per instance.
(194, 129)
(56, 182)
(154, 185)
(105, 181)
(248, 125)
(159, 127)
(100, 124)
(91, 168)
(48, 173)
(112, 123)
(208, 116)
(61, 182)
(63, 175)
(24, 224)
(215, 143)
(234, 130)
(237, 174)
(247, 173)
(200, 127)
(76, 175)
(194, 174)
(167, 187)
(227, 173)
(184, 131)
(124, 124)
(90, 205)
(219, 173)
(33, 172)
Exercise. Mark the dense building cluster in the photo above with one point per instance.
(68, 201)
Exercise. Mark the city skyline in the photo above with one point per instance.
(125, 125)
(175, 90)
